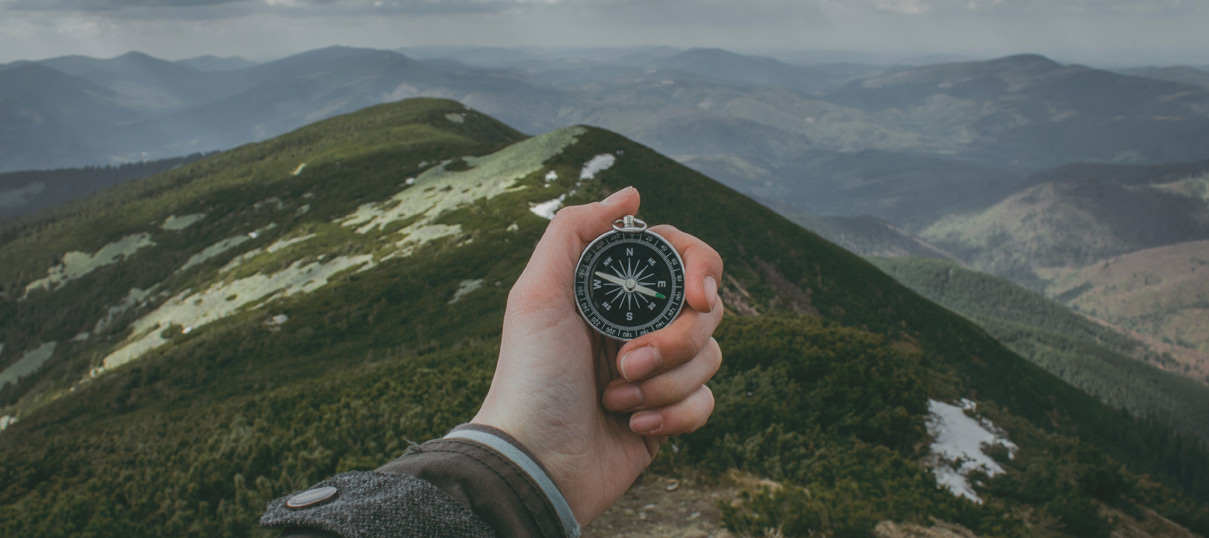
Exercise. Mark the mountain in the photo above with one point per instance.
(869, 236)
(1176, 73)
(210, 62)
(25, 193)
(731, 68)
(193, 344)
(50, 119)
(150, 83)
(1162, 292)
(1084, 353)
(1028, 110)
(1077, 215)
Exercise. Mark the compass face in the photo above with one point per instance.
(628, 284)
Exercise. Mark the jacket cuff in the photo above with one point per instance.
(510, 448)
(488, 471)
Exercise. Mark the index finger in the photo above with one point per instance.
(702, 267)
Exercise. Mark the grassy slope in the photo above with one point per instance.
(224, 418)
(1082, 352)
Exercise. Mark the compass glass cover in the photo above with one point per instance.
(628, 284)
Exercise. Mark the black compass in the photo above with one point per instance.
(629, 281)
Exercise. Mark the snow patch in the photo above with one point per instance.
(551, 176)
(547, 209)
(175, 224)
(456, 118)
(222, 299)
(274, 323)
(27, 364)
(597, 165)
(77, 264)
(464, 288)
(298, 170)
(957, 446)
(81, 336)
(6, 421)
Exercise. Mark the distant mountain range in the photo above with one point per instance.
(181, 348)
(1019, 166)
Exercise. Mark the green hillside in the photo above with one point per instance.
(1083, 353)
(240, 327)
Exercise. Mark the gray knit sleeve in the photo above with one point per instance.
(372, 505)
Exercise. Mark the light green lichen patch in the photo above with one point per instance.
(133, 298)
(439, 190)
(175, 223)
(214, 250)
(193, 310)
(27, 364)
(77, 264)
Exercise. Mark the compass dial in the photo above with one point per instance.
(628, 284)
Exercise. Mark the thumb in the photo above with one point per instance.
(552, 265)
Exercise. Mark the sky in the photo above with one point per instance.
(1092, 31)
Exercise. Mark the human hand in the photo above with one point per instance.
(592, 413)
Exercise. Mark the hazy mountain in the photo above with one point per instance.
(869, 236)
(1076, 215)
(50, 119)
(214, 63)
(1162, 292)
(1030, 111)
(150, 83)
(25, 193)
(731, 68)
(1174, 73)
(256, 320)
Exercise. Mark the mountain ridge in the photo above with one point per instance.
(231, 395)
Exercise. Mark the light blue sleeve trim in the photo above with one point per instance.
(522, 460)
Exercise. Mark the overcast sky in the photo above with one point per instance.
(1098, 31)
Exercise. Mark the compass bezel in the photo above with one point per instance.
(664, 253)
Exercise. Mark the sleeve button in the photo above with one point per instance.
(311, 497)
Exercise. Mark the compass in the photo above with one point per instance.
(629, 281)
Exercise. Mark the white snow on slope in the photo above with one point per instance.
(957, 446)
(598, 164)
(547, 209)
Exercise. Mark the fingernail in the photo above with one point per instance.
(616, 196)
(625, 397)
(646, 422)
(711, 291)
(639, 363)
